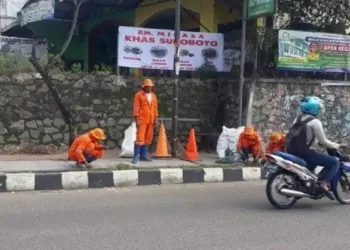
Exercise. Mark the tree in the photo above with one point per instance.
(322, 15)
(44, 71)
(304, 15)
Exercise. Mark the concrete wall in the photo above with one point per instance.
(275, 103)
(29, 114)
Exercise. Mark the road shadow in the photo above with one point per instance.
(301, 206)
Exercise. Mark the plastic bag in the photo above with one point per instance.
(225, 141)
(129, 141)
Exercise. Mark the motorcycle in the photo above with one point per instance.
(290, 179)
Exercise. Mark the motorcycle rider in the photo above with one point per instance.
(303, 137)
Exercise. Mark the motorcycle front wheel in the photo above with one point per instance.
(342, 190)
(277, 181)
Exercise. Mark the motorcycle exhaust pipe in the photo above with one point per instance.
(293, 193)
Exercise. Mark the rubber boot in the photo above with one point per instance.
(137, 149)
(144, 153)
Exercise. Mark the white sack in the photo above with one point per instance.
(129, 141)
(225, 141)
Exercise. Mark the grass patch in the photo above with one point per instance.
(119, 167)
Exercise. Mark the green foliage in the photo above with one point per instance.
(76, 68)
(12, 63)
(305, 15)
(103, 68)
(16, 63)
(106, 68)
(321, 15)
(52, 62)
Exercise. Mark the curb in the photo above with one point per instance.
(89, 179)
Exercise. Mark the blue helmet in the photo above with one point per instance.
(311, 105)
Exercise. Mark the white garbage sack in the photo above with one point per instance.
(129, 141)
(228, 140)
(223, 142)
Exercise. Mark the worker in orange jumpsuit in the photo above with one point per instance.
(249, 142)
(145, 116)
(86, 148)
(276, 143)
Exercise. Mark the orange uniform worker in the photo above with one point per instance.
(145, 115)
(249, 142)
(276, 142)
(86, 149)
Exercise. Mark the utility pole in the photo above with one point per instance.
(176, 82)
(241, 74)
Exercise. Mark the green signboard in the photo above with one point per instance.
(311, 51)
(257, 8)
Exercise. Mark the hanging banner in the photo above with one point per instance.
(258, 8)
(155, 49)
(313, 51)
(37, 11)
(22, 46)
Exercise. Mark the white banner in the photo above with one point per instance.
(23, 46)
(154, 49)
(41, 10)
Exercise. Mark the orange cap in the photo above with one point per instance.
(249, 130)
(98, 134)
(275, 137)
(147, 83)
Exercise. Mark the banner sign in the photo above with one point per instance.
(155, 49)
(313, 51)
(37, 11)
(22, 46)
(258, 8)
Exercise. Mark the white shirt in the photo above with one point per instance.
(314, 130)
(149, 97)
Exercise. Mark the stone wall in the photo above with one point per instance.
(30, 116)
(275, 105)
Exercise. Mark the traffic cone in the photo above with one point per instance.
(162, 144)
(191, 153)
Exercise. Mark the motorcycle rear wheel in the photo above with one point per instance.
(271, 187)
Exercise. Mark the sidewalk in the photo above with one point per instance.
(54, 172)
(59, 163)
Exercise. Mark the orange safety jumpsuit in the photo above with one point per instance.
(85, 147)
(249, 143)
(146, 113)
(276, 142)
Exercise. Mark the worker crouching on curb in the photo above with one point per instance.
(249, 142)
(276, 143)
(86, 148)
(145, 116)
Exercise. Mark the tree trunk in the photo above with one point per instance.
(66, 114)
(44, 72)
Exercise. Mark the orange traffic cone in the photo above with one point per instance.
(191, 153)
(162, 145)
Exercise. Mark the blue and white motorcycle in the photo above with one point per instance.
(289, 179)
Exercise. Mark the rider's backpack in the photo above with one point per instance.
(296, 139)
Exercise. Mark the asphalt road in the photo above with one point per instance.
(232, 216)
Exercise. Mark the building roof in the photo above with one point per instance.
(64, 9)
